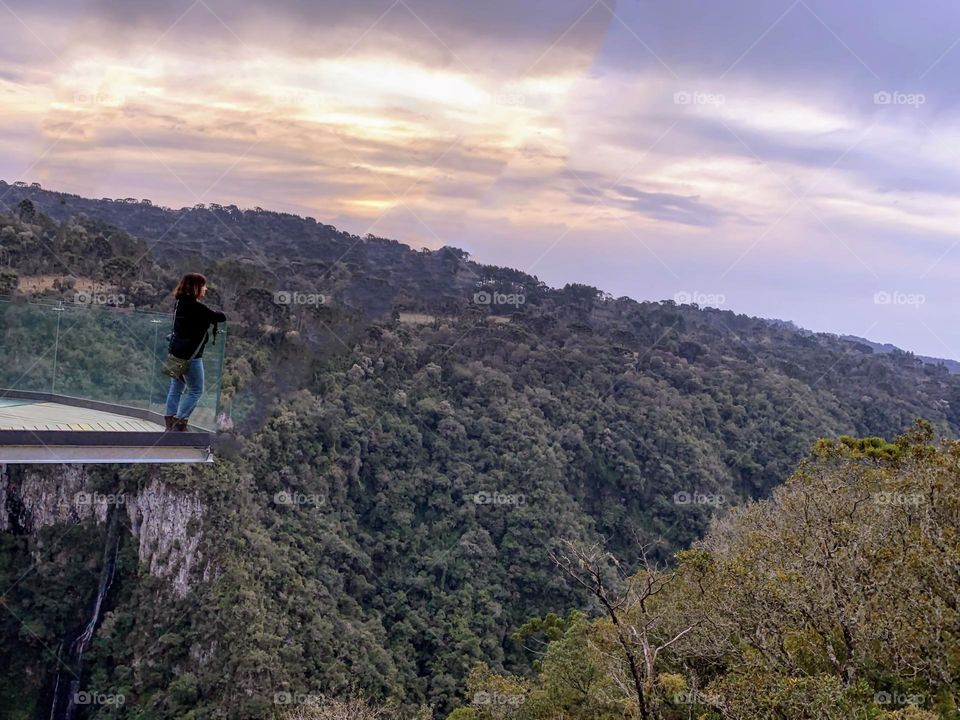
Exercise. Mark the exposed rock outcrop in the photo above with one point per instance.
(166, 522)
(36, 496)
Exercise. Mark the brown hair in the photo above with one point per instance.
(190, 286)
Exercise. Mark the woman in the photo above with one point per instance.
(191, 321)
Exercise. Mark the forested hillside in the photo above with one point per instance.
(835, 599)
(407, 452)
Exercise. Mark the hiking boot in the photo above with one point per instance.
(180, 424)
(168, 422)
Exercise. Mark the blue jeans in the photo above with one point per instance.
(180, 404)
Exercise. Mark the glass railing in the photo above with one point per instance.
(98, 353)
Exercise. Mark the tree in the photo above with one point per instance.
(349, 709)
(26, 210)
(837, 590)
(629, 603)
(9, 280)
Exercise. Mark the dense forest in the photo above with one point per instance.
(835, 598)
(471, 453)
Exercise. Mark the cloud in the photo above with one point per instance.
(724, 137)
(535, 37)
(791, 43)
(662, 206)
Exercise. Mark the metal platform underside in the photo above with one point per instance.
(41, 428)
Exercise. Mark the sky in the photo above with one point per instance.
(794, 159)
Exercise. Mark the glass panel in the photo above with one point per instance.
(27, 356)
(97, 353)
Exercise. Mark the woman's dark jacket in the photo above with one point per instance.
(190, 325)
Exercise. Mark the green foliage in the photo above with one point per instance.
(541, 631)
(447, 457)
(835, 598)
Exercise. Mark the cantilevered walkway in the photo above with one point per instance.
(81, 384)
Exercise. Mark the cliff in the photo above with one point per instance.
(166, 522)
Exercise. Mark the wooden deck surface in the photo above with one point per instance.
(30, 415)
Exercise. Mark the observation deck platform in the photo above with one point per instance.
(42, 428)
(81, 384)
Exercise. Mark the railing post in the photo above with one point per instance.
(223, 362)
(152, 380)
(56, 347)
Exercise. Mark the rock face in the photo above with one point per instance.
(35, 497)
(166, 522)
